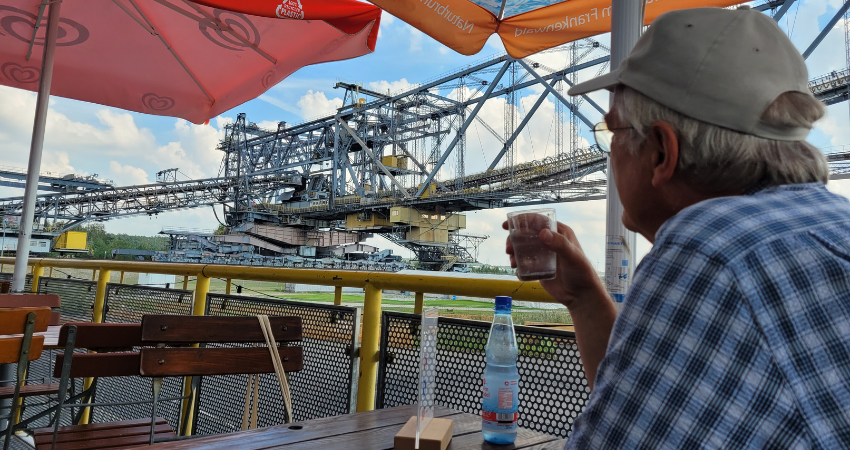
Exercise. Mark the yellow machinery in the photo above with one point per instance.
(71, 241)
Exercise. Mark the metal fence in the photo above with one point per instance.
(127, 304)
(324, 387)
(552, 386)
(77, 297)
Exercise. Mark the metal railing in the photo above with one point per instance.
(373, 283)
(552, 387)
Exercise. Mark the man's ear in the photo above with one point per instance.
(665, 152)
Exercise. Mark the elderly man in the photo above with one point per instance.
(736, 330)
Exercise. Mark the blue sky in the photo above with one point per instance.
(130, 147)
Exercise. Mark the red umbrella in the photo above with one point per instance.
(179, 58)
(525, 26)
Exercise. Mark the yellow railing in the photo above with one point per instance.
(374, 283)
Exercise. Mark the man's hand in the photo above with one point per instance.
(575, 277)
(579, 288)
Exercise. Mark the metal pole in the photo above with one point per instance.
(36, 145)
(626, 25)
(370, 344)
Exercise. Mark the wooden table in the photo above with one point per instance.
(51, 337)
(372, 430)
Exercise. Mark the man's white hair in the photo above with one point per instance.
(718, 160)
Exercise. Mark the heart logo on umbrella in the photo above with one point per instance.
(13, 20)
(239, 23)
(19, 73)
(267, 78)
(157, 103)
(333, 45)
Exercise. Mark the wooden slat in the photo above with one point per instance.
(77, 433)
(169, 362)
(39, 433)
(13, 320)
(110, 443)
(282, 435)
(30, 390)
(213, 329)
(30, 300)
(99, 365)
(104, 336)
(10, 349)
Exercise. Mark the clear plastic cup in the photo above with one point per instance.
(533, 259)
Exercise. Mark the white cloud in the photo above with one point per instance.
(126, 175)
(391, 87)
(415, 40)
(316, 104)
(444, 50)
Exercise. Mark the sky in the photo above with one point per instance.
(130, 148)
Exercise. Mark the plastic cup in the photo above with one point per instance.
(533, 259)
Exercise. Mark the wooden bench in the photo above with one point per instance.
(176, 359)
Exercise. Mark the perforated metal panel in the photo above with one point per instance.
(77, 297)
(127, 304)
(27, 282)
(322, 388)
(552, 387)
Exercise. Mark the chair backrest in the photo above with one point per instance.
(173, 329)
(32, 301)
(114, 343)
(13, 322)
(5, 287)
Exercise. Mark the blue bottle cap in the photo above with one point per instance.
(503, 302)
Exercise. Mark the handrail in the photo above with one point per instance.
(373, 283)
(426, 283)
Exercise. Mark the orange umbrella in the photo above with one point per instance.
(525, 26)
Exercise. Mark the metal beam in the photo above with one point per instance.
(374, 158)
(785, 6)
(519, 128)
(556, 94)
(463, 127)
(584, 96)
(829, 26)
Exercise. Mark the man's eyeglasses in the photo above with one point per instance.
(604, 135)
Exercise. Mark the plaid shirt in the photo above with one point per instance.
(735, 333)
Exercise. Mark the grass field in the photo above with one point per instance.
(460, 308)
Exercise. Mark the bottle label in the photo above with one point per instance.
(499, 408)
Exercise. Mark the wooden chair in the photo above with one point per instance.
(171, 357)
(19, 350)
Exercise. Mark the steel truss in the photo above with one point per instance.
(409, 149)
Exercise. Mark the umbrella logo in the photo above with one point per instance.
(290, 9)
(19, 24)
(239, 24)
(19, 73)
(157, 103)
(267, 78)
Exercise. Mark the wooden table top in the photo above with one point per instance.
(372, 430)
(51, 337)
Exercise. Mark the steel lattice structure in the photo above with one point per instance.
(410, 149)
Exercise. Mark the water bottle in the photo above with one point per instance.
(501, 379)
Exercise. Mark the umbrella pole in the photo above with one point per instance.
(34, 166)
(626, 25)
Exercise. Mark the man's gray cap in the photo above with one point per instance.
(720, 66)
